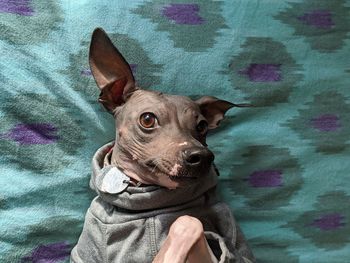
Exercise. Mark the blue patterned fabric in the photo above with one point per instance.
(284, 163)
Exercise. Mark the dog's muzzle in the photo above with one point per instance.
(197, 160)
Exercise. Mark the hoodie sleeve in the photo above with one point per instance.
(91, 245)
(220, 253)
(225, 237)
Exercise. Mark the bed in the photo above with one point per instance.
(284, 163)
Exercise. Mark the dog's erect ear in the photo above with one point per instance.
(111, 71)
(214, 109)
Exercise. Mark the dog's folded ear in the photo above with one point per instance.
(214, 109)
(111, 71)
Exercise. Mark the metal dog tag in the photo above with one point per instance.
(112, 180)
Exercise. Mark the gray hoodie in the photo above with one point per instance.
(126, 223)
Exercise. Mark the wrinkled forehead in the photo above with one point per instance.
(142, 101)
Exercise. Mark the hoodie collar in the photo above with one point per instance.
(116, 188)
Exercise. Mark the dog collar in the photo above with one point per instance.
(107, 163)
(111, 180)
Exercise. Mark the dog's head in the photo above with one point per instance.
(161, 138)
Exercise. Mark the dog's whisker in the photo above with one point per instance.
(155, 166)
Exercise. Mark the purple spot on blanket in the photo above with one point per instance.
(263, 72)
(50, 253)
(329, 222)
(19, 7)
(133, 68)
(265, 178)
(86, 72)
(318, 18)
(183, 14)
(326, 123)
(35, 133)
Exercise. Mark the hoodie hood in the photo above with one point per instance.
(114, 187)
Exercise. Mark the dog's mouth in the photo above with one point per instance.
(182, 178)
(174, 172)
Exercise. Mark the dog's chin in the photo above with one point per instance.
(174, 182)
(156, 176)
(170, 181)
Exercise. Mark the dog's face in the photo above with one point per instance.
(164, 136)
(161, 139)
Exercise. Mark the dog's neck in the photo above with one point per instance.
(115, 158)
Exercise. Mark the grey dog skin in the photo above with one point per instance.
(161, 148)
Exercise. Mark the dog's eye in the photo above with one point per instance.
(148, 120)
(202, 127)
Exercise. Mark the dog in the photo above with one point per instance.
(156, 183)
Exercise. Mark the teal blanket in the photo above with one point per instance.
(284, 164)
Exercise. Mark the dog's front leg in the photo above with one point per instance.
(185, 243)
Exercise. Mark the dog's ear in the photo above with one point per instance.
(214, 109)
(111, 71)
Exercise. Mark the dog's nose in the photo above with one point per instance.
(197, 157)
